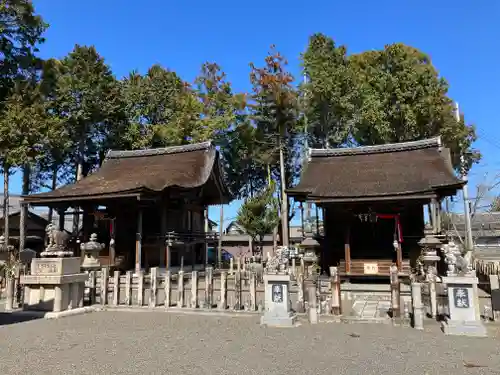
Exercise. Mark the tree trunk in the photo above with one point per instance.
(6, 204)
(53, 187)
(24, 207)
(275, 239)
(284, 199)
(79, 176)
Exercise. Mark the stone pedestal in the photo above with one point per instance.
(277, 304)
(55, 285)
(464, 307)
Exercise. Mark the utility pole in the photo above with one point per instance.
(469, 243)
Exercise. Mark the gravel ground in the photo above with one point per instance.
(163, 343)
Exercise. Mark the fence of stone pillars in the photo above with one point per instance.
(208, 289)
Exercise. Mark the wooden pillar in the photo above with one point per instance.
(347, 249)
(433, 209)
(61, 218)
(138, 242)
(163, 237)
(112, 234)
(87, 221)
(399, 257)
(191, 247)
(302, 217)
(317, 219)
(22, 226)
(205, 229)
(438, 215)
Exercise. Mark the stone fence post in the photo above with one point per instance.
(223, 291)
(166, 287)
(253, 291)
(128, 287)
(311, 302)
(104, 285)
(433, 297)
(180, 289)
(300, 308)
(335, 287)
(9, 303)
(116, 288)
(194, 289)
(140, 288)
(395, 292)
(153, 296)
(209, 281)
(418, 311)
(237, 291)
(92, 287)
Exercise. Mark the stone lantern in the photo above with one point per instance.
(310, 245)
(430, 245)
(91, 252)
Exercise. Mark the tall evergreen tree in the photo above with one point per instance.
(89, 102)
(385, 96)
(331, 94)
(21, 32)
(274, 111)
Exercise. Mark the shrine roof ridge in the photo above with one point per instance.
(377, 149)
(118, 154)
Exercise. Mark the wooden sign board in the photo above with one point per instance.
(370, 268)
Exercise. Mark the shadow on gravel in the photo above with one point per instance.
(13, 318)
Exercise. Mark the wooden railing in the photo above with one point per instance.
(372, 267)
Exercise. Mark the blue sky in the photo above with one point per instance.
(461, 36)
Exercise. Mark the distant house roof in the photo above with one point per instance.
(377, 172)
(234, 227)
(240, 236)
(483, 224)
(132, 173)
(14, 204)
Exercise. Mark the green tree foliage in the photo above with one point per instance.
(331, 97)
(163, 110)
(151, 102)
(258, 215)
(396, 95)
(27, 127)
(241, 151)
(21, 32)
(53, 168)
(90, 104)
(274, 111)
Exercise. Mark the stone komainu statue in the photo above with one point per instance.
(57, 238)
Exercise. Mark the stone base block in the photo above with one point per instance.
(464, 328)
(43, 293)
(278, 321)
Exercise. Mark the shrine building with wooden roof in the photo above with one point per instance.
(149, 207)
(373, 200)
